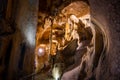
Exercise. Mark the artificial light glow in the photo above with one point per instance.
(29, 33)
(41, 51)
(56, 73)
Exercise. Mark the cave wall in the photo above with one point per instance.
(22, 60)
(17, 36)
(107, 13)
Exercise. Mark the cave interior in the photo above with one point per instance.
(51, 40)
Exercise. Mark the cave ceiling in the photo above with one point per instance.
(55, 7)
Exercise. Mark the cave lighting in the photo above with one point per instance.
(55, 73)
(41, 51)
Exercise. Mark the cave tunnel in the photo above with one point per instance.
(59, 40)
